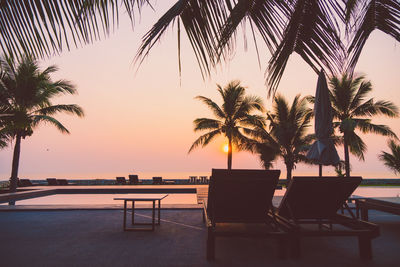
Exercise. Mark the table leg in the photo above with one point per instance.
(159, 211)
(133, 211)
(124, 224)
(153, 213)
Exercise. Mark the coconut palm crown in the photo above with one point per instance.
(25, 95)
(392, 159)
(234, 117)
(285, 134)
(353, 111)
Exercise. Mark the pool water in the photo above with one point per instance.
(99, 199)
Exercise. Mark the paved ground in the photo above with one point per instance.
(95, 238)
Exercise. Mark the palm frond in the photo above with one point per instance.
(212, 105)
(392, 159)
(202, 124)
(51, 110)
(204, 140)
(366, 126)
(311, 32)
(382, 15)
(201, 19)
(36, 119)
(268, 17)
(47, 27)
(356, 145)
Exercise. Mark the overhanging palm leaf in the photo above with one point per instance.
(364, 16)
(201, 19)
(46, 27)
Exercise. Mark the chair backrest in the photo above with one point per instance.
(52, 181)
(316, 197)
(241, 195)
(157, 180)
(120, 180)
(133, 179)
(62, 181)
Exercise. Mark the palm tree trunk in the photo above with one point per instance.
(289, 169)
(229, 153)
(346, 157)
(15, 164)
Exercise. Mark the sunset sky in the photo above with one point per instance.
(142, 121)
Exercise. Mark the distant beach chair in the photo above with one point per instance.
(314, 202)
(62, 182)
(157, 180)
(24, 182)
(239, 204)
(52, 181)
(120, 180)
(134, 179)
(192, 179)
(203, 179)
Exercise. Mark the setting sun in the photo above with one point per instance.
(225, 148)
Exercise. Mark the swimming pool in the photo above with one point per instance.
(98, 199)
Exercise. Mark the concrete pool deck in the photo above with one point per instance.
(95, 238)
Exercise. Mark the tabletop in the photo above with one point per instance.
(142, 197)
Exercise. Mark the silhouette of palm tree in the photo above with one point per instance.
(26, 93)
(232, 118)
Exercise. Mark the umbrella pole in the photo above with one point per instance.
(320, 170)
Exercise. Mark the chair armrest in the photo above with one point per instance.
(206, 219)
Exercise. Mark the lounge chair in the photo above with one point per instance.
(134, 179)
(52, 181)
(62, 181)
(238, 204)
(310, 208)
(120, 180)
(203, 179)
(192, 179)
(157, 180)
(24, 182)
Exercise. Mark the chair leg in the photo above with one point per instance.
(295, 247)
(282, 247)
(210, 245)
(365, 247)
(364, 214)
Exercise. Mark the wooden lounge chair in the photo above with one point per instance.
(120, 180)
(52, 181)
(134, 179)
(310, 208)
(239, 203)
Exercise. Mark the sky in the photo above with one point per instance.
(141, 121)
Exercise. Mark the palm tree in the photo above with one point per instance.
(353, 111)
(232, 118)
(392, 159)
(310, 28)
(285, 136)
(26, 94)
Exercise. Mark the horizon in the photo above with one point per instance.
(141, 122)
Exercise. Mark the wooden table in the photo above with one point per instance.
(142, 197)
(385, 204)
